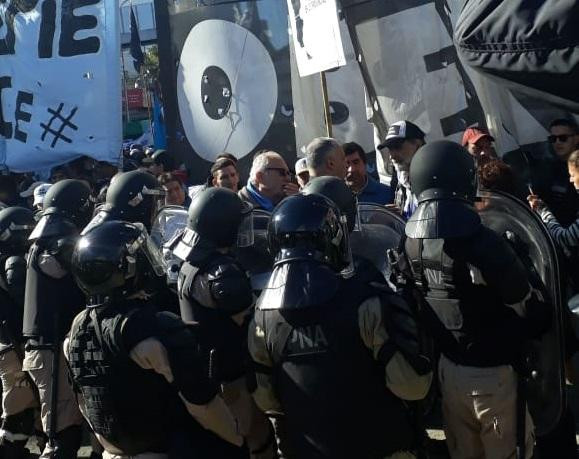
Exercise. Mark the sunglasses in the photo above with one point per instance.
(280, 170)
(560, 138)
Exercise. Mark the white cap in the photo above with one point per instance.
(301, 166)
(30, 190)
(39, 193)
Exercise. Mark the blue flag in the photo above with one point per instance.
(136, 50)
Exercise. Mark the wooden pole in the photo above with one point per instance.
(326, 101)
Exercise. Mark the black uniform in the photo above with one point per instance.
(18, 393)
(479, 306)
(52, 299)
(139, 371)
(329, 358)
(215, 292)
(135, 410)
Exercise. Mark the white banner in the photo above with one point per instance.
(316, 35)
(60, 83)
(416, 74)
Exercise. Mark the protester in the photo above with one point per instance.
(565, 237)
(28, 193)
(161, 162)
(39, 194)
(495, 174)
(269, 181)
(224, 174)
(302, 172)
(174, 189)
(403, 140)
(479, 144)
(550, 177)
(325, 156)
(357, 178)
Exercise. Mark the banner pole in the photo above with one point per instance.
(125, 87)
(326, 101)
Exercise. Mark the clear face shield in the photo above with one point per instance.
(12, 228)
(145, 244)
(245, 233)
(167, 229)
(346, 249)
(358, 219)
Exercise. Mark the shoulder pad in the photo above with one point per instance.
(230, 287)
(15, 263)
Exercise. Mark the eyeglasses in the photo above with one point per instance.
(560, 138)
(280, 170)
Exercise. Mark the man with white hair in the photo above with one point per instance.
(269, 181)
(326, 157)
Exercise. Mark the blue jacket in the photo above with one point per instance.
(376, 193)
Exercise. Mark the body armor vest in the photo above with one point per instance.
(470, 323)
(330, 387)
(132, 408)
(228, 340)
(50, 304)
(11, 309)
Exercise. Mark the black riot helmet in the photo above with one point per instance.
(443, 179)
(115, 259)
(16, 224)
(134, 197)
(309, 228)
(336, 190)
(217, 219)
(67, 208)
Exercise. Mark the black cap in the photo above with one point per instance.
(401, 130)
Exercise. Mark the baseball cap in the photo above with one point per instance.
(401, 130)
(40, 192)
(301, 166)
(30, 190)
(474, 134)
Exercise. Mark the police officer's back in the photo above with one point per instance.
(52, 300)
(215, 292)
(139, 371)
(18, 401)
(329, 358)
(480, 304)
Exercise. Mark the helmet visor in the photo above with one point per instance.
(12, 228)
(348, 270)
(169, 221)
(145, 244)
(245, 233)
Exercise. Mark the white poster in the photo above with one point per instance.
(316, 35)
(60, 83)
(347, 103)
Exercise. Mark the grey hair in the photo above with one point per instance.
(318, 151)
(260, 162)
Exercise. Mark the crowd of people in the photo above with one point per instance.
(328, 359)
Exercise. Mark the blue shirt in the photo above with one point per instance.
(376, 193)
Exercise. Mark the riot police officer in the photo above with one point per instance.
(138, 371)
(18, 398)
(215, 292)
(329, 357)
(133, 196)
(480, 306)
(136, 197)
(52, 299)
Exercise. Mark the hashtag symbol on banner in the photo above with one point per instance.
(65, 122)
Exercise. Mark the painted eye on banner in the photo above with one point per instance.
(339, 112)
(226, 89)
